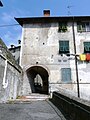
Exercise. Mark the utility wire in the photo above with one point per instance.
(8, 25)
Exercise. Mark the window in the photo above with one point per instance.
(62, 27)
(63, 47)
(83, 26)
(66, 74)
(86, 47)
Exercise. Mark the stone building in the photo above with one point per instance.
(15, 50)
(53, 54)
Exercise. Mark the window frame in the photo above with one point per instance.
(87, 49)
(62, 48)
(62, 27)
(83, 26)
(64, 75)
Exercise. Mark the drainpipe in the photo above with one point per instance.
(5, 84)
(75, 59)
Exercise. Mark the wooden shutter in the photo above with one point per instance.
(66, 74)
(86, 47)
(63, 46)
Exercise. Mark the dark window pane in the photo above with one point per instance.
(62, 27)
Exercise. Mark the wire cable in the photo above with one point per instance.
(9, 25)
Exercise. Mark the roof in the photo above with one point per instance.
(29, 20)
(15, 47)
(7, 54)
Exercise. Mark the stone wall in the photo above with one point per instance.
(40, 44)
(72, 107)
(10, 75)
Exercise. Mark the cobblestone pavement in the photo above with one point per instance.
(38, 110)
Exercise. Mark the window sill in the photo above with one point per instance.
(82, 31)
(66, 82)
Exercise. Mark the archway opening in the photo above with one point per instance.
(38, 79)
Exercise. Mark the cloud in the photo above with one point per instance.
(10, 38)
(12, 34)
(15, 41)
(23, 12)
(7, 17)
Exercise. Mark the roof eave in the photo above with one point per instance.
(29, 20)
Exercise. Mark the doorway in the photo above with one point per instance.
(38, 79)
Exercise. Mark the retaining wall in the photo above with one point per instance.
(72, 107)
(10, 75)
(10, 80)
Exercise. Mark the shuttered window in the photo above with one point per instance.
(66, 74)
(62, 27)
(86, 47)
(63, 47)
(83, 26)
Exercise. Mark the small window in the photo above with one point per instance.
(86, 47)
(62, 27)
(63, 47)
(83, 27)
(66, 74)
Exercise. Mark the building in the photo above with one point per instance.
(54, 54)
(15, 50)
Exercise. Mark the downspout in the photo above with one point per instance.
(21, 50)
(5, 83)
(75, 59)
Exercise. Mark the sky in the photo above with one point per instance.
(34, 8)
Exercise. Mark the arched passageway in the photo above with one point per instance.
(38, 79)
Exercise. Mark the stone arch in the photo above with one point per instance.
(43, 66)
(38, 79)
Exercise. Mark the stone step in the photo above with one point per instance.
(30, 98)
(37, 96)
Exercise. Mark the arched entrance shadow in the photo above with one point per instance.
(38, 79)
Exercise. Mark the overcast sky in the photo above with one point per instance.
(32, 8)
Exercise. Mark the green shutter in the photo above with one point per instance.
(86, 47)
(66, 74)
(81, 27)
(63, 46)
(62, 27)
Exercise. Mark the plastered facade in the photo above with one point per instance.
(40, 47)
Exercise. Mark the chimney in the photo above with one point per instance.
(46, 13)
(12, 46)
(19, 41)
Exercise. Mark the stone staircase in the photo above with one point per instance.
(30, 98)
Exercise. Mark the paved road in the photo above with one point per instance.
(39, 110)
